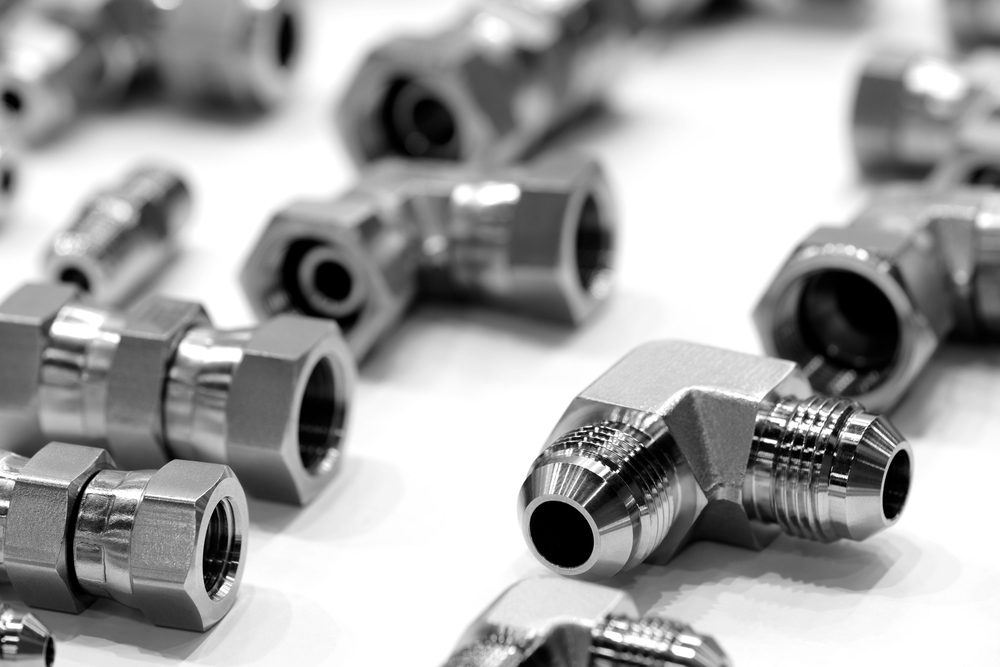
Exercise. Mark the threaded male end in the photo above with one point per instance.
(653, 640)
(24, 639)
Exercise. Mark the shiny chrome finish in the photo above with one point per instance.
(537, 239)
(158, 382)
(123, 237)
(23, 639)
(169, 542)
(680, 442)
(551, 621)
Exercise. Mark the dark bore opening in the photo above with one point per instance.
(418, 123)
(6, 179)
(288, 40)
(986, 175)
(12, 101)
(326, 286)
(847, 319)
(320, 420)
(221, 557)
(50, 652)
(897, 486)
(334, 281)
(593, 246)
(74, 276)
(561, 534)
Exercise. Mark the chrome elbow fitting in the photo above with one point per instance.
(159, 382)
(489, 87)
(169, 542)
(537, 239)
(862, 308)
(24, 639)
(9, 176)
(680, 442)
(123, 236)
(552, 621)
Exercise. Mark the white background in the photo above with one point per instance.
(726, 146)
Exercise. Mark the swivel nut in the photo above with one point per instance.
(552, 621)
(24, 639)
(537, 238)
(679, 442)
(159, 382)
(169, 542)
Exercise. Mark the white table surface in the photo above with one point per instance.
(726, 146)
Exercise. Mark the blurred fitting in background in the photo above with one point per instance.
(536, 239)
(169, 542)
(8, 180)
(862, 308)
(123, 237)
(159, 382)
(24, 639)
(974, 23)
(552, 621)
(679, 442)
(61, 58)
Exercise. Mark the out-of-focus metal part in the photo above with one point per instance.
(9, 177)
(158, 382)
(123, 237)
(974, 23)
(23, 638)
(679, 442)
(552, 621)
(862, 308)
(537, 238)
(169, 542)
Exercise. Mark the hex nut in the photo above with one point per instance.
(288, 408)
(42, 510)
(188, 546)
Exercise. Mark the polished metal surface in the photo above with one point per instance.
(123, 237)
(537, 239)
(862, 308)
(9, 177)
(552, 621)
(679, 442)
(23, 639)
(169, 542)
(158, 382)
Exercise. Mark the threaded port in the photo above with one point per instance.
(321, 281)
(321, 420)
(222, 551)
(75, 276)
(594, 247)
(897, 485)
(418, 123)
(561, 534)
(287, 41)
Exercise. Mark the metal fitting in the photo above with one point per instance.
(492, 85)
(552, 621)
(537, 239)
(169, 542)
(862, 308)
(159, 382)
(123, 237)
(8, 180)
(680, 442)
(23, 638)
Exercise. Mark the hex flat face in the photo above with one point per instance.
(39, 525)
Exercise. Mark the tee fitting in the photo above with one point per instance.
(680, 442)
(537, 239)
(24, 639)
(169, 542)
(159, 382)
(552, 621)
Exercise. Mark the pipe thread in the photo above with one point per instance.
(649, 642)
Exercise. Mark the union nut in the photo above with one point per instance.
(169, 542)
(490, 86)
(679, 442)
(159, 382)
(552, 621)
(24, 639)
(863, 308)
(537, 239)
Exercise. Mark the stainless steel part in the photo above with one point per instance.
(24, 639)
(862, 308)
(123, 236)
(974, 23)
(9, 177)
(169, 542)
(158, 382)
(535, 238)
(558, 622)
(679, 442)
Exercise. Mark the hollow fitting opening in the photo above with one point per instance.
(321, 420)
(287, 40)
(321, 281)
(985, 175)
(561, 534)
(72, 275)
(11, 101)
(896, 486)
(417, 122)
(594, 247)
(222, 551)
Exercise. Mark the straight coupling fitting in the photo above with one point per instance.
(123, 236)
(169, 542)
(159, 382)
(24, 639)
(553, 621)
(680, 442)
(862, 308)
(536, 238)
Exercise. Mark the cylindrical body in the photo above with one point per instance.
(123, 237)
(23, 639)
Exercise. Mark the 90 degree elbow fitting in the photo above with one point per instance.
(863, 308)
(159, 382)
(552, 621)
(680, 442)
(24, 639)
(537, 239)
(169, 542)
